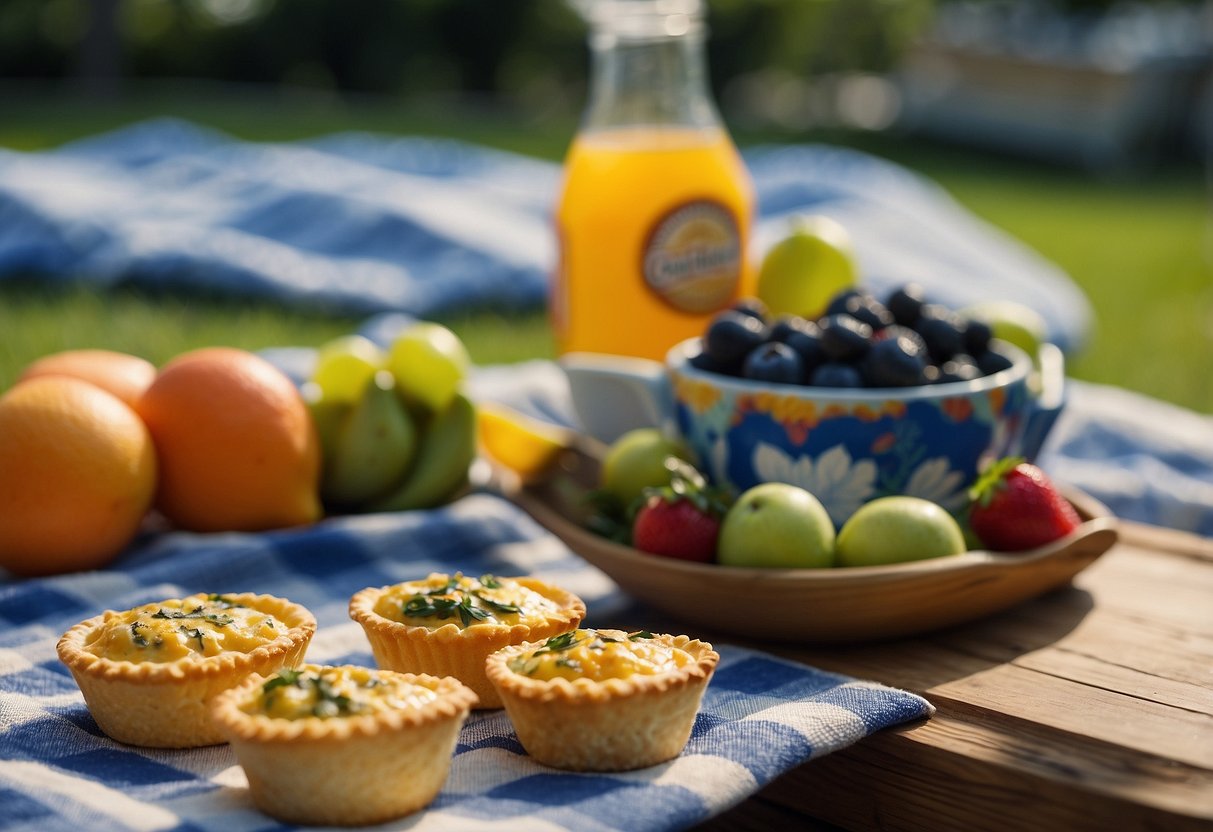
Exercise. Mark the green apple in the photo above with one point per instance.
(429, 362)
(637, 460)
(897, 529)
(803, 271)
(1013, 322)
(776, 525)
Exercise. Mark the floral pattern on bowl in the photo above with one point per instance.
(849, 447)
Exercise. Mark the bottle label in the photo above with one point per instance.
(692, 258)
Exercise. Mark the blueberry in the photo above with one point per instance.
(785, 326)
(942, 330)
(773, 361)
(899, 331)
(731, 336)
(960, 367)
(869, 310)
(977, 337)
(992, 361)
(752, 307)
(844, 338)
(838, 303)
(705, 362)
(895, 362)
(835, 374)
(905, 303)
(804, 337)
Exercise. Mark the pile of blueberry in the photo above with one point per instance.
(859, 342)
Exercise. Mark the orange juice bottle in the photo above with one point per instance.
(656, 204)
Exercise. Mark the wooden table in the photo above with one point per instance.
(1088, 708)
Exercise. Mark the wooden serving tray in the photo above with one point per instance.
(814, 605)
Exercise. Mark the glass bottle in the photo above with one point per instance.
(656, 204)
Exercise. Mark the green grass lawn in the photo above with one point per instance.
(1141, 248)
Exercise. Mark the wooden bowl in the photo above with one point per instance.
(818, 605)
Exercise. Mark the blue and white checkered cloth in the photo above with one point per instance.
(761, 716)
(369, 223)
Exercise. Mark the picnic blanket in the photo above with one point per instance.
(369, 223)
(761, 716)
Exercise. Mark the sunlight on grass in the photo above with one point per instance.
(37, 321)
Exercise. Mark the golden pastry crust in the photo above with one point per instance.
(165, 704)
(345, 770)
(452, 648)
(616, 724)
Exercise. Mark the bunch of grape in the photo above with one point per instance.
(396, 430)
(860, 341)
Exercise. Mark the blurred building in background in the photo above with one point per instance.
(1106, 88)
(1102, 83)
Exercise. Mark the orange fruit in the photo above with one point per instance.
(235, 441)
(126, 376)
(77, 476)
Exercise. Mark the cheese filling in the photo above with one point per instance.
(195, 628)
(442, 599)
(599, 655)
(327, 692)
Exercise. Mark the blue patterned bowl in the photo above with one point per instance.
(845, 446)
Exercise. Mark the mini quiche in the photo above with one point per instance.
(447, 625)
(148, 674)
(343, 745)
(603, 700)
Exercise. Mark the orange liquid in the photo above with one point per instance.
(653, 226)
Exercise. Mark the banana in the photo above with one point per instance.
(448, 447)
(373, 448)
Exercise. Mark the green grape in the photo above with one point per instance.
(345, 365)
(429, 361)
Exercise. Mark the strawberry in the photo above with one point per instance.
(1016, 507)
(681, 520)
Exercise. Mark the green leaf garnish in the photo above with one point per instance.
(216, 618)
(497, 606)
(419, 606)
(281, 679)
(449, 586)
(138, 638)
(526, 665)
(467, 612)
(556, 644)
(490, 581)
(639, 634)
(192, 634)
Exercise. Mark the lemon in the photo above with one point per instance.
(804, 270)
(526, 446)
(345, 365)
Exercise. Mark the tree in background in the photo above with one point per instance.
(528, 48)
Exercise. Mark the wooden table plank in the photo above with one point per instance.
(918, 779)
(1088, 708)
